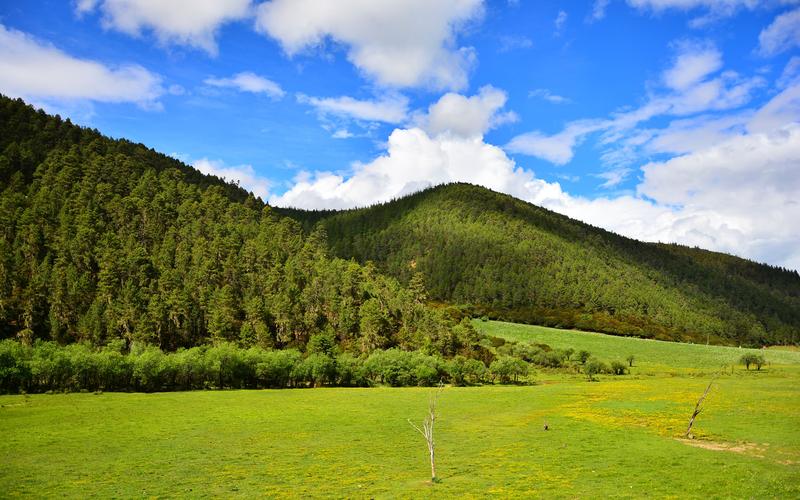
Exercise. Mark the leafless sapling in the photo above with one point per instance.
(427, 428)
(698, 408)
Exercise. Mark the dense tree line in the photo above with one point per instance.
(104, 240)
(47, 366)
(496, 255)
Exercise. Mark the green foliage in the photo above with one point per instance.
(104, 240)
(582, 356)
(618, 368)
(508, 369)
(594, 367)
(753, 359)
(46, 366)
(508, 259)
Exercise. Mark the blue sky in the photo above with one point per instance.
(664, 120)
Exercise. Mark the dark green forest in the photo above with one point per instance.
(492, 254)
(105, 240)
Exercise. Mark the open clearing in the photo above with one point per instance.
(616, 437)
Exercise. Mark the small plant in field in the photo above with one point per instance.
(427, 430)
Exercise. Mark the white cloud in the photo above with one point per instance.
(194, 23)
(244, 175)
(466, 116)
(790, 73)
(402, 43)
(598, 10)
(34, 69)
(249, 82)
(782, 35)
(342, 134)
(691, 66)
(613, 177)
(512, 42)
(691, 88)
(557, 148)
(414, 160)
(547, 95)
(389, 108)
(561, 19)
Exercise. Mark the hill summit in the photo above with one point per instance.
(492, 254)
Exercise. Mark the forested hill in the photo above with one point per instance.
(104, 240)
(496, 255)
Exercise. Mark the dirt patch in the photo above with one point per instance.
(745, 448)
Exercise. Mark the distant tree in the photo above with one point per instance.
(630, 359)
(594, 367)
(753, 359)
(583, 356)
(618, 368)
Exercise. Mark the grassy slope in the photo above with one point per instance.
(650, 354)
(615, 437)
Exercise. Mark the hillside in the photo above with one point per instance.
(104, 240)
(496, 255)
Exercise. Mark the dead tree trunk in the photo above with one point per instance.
(427, 429)
(698, 408)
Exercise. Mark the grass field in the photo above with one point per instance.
(651, 355)
(617, 437)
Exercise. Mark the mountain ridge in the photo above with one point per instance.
(761, 304)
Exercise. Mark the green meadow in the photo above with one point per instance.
(649, 355)
(620, 436)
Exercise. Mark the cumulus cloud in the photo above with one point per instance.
(413, 160)
(389, 108)
(782, 35)
(401, 43)
(244, 175)
(33, 69)
(467, 116)
(248, 82)
(193, 23)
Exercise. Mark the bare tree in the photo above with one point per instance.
(698, 408)
(427, 428)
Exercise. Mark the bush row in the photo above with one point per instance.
(47, 366)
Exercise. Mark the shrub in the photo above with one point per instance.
(594, 367)
(618, 368)
(582, 356)
(350, 371)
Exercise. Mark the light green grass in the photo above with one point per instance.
(648, 354)
(611, 438)
(615, 438)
